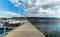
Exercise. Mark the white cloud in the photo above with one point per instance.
(39, 2)
(34, 12)
(57, 7)
(47, 11)
(42, 2)
(35, 3)
(9, 14)
(35, 8)
(14, 1)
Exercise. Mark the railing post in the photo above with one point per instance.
(4, 30)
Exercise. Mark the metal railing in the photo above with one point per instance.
(5, 32)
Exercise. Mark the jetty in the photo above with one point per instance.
(25, 30)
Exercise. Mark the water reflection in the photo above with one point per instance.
(50, 29)
(55, 26)
(2, 30)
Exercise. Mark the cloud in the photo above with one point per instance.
(19, 3)
(37, 12)
(44, 8)
(33, 2)
(39, 8)
(9, 14)
(47, 11)
(42, 2)
(14, 1)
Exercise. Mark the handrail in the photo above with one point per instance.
(5, 31)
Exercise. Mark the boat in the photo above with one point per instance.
(14, 23)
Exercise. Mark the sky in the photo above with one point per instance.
(7, 9)
(30, 8)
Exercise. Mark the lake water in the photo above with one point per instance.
(2, 30)
(54, 26)
(49, 26)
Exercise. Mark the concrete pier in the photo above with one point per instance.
(25, 30)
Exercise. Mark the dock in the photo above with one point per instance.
(25, 30)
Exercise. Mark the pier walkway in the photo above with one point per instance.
(25, 30)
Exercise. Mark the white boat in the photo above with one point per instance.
(14, 23)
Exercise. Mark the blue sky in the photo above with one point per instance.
(6, 7)
(30, 8)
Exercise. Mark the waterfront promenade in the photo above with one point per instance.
(25, 30)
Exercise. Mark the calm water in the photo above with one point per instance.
(54, 26)
(50, 26)
(2, 30)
